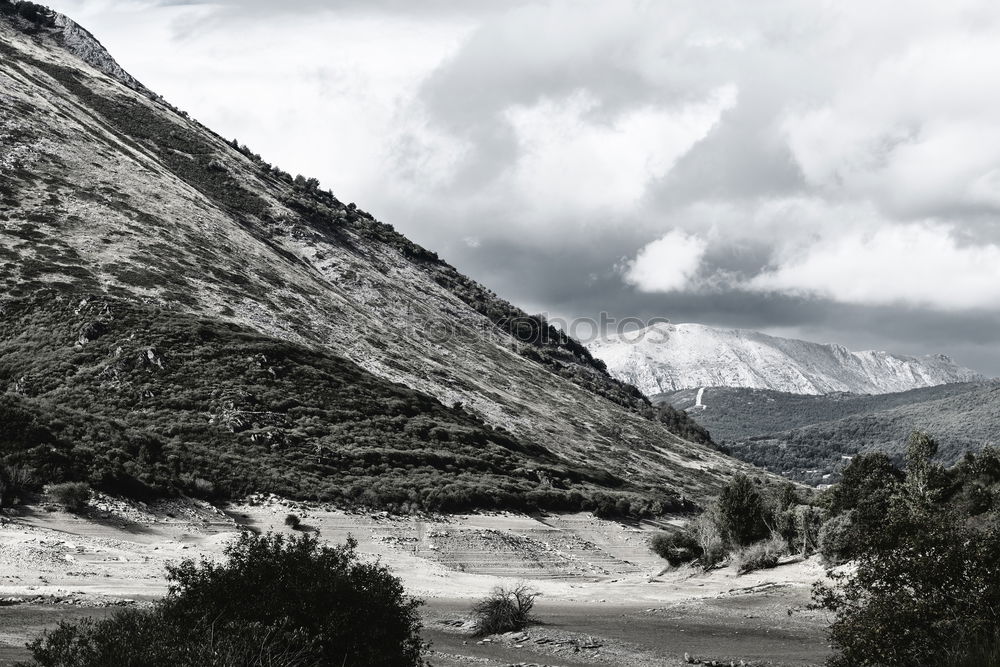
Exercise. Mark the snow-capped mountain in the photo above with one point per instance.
(664, 357)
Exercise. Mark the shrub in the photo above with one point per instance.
(15, 481)
(984, 654)
(73, 496)
(836, 539)
(867, 482)
(676, 548)
(760, 555)
(276, 600)
(934, 595)
(741, 512)
(504, 610)
(710, 538)
(138, 637)
(293, 521)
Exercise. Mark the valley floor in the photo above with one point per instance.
(606, 600)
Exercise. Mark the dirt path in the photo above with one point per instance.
(752, 627)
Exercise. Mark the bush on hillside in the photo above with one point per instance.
(15, 482)
(38, 15)
(760, 555)
(676, 548)
(275, 600)
(282, 419)
(73, 496)
(504, 610)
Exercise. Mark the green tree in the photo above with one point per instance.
(929, 599)
(922, 476)
(741, 512)
(926, 587)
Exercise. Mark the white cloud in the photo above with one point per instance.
(667, 264)
(573, 131)
(914, 265)
(571, 161)
(913, 130)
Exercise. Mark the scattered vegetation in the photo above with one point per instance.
(156, 402)
(293, 521)
(504, 610)
(275, 601)
(750, 523)
(925, 587)
(534, 338)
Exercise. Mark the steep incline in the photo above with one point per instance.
(108, 191)
(667, 357)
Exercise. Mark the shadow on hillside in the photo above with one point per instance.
(38, 515)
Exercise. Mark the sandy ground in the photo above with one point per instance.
(605, 598)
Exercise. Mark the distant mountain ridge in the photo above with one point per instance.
(667, 357)
(811, 438)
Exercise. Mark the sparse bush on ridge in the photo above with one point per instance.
(33, 13)
(504, 610)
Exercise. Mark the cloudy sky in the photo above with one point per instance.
(828, 170)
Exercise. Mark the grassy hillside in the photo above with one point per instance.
(143, 401)
(809, 437)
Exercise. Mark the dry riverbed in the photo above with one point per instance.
(605, 599)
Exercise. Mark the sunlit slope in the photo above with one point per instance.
(108, 191)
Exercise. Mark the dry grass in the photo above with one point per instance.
(504, 610)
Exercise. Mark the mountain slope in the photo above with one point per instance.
(666, 357)
(809, 437)
(108, 194)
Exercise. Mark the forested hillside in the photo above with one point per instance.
(810, 437)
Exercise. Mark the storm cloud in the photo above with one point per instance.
(826, 170)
